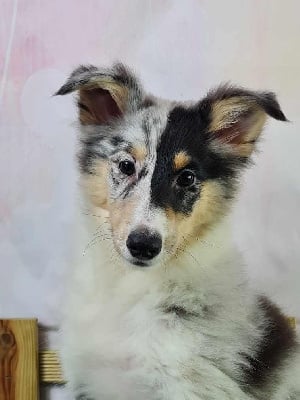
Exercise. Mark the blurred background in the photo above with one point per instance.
(179, 49)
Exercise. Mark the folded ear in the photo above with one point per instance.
(104, 94)
(237, 116)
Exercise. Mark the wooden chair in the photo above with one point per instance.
(23, 367)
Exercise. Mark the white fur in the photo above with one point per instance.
(120, 344)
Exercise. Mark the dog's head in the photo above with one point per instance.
(165, 172)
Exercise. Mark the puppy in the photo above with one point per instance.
(158, 307)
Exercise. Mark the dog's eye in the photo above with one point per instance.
(127, 167)
(186, 179)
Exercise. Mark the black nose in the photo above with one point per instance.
(143, 244)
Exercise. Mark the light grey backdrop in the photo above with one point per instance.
(180, 49)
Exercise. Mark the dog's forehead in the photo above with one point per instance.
(168, 128)
(145, 128)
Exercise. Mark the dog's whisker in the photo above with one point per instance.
(91, 214)
(96, 239)
(106, 218)
(98, 230)
(204, 242)
(186, 251)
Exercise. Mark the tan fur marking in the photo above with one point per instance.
(120, 211)
(227, 115)
(226, 112)
(95, 185)
(256, 125)
(181, 159)
(139, 153)
(118, 92)
(206, 212)
(120, 216)
(86, 117)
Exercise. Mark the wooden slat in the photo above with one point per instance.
(19, 379)
(292, 322)
(50, 368)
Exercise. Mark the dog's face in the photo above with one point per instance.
(164, 172)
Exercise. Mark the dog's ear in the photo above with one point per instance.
(104, 94)
(237, 116)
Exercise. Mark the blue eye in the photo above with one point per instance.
(186, 178)
(127, 167)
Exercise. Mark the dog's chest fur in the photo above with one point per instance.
(154, 337)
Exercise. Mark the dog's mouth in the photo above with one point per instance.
(138, 263)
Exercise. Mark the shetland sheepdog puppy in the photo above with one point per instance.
(157, 304)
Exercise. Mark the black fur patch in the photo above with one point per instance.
(143, 172)
(277, 343)
(83, 397)
(128, 189)
(187, 130)
(179, 311)
(81, 391)
(148, 102)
